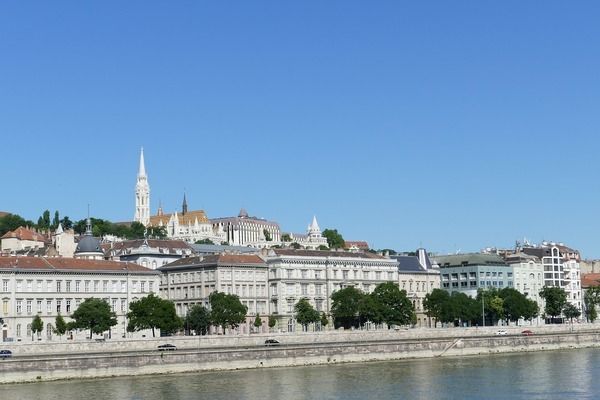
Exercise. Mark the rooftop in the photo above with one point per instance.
(327, 253)
(23, 233)
(60, 264)
(458, 260)
(215, 259)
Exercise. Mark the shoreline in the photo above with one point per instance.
(299, 350)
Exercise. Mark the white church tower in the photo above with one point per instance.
(142, 194)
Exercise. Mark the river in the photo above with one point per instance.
(569, 374)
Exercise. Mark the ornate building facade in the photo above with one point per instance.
(244, 230)
(313, 239)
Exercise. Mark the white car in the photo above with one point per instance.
(501, 332)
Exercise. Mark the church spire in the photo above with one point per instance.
(184, 205)
(142, 170)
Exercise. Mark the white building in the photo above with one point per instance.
(190, 281)
(561, 269)
(316, 275)
(142, 194)
(418, 276)
(47, 287)
(149, 253)
(64, 242)
(22, 239)
(312, 240)
(244, 230)
(528, 276)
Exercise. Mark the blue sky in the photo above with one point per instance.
(449, 125)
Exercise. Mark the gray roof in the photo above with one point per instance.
(88, 244)
(458, 260)
(217, 249)
(409, 264)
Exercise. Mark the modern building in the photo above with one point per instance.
(190, 281)
(313, 239)
(149, 253)
(470, 272)
(418, 276)
(316, 275)
(561, 269)
(47, 287)
(245, 230)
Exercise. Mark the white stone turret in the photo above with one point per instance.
(313, 228)
(142, 194)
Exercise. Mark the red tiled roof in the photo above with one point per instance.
(23, 233)
(69, 264)
(590, 280)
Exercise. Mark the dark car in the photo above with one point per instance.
(272, 342)
(527, 332)
(5, 353)
(167, 347)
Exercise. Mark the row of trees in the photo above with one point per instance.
(506, 304)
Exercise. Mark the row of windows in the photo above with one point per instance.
(66, 306)
(67, 286)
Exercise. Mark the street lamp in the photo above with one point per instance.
(482, 310)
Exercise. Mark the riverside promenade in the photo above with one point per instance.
(85, 359)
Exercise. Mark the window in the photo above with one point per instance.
(345, 274)
(114, 305)
(304, 274)
(143, 290)
(86, 286)
(105, 286)
(77, 303)
(390, 276)
(290, 273)
(28, 330)
(304, 288)
(96, 286)
(318, 289)
(5, 286)
(48, 306)
(19, 306)
(290, 306)
(68, 286)
(29, 285)
(5, 306)
(378, 275)
(58, 286)
(151, 287)
(39, 306)
(58, 306)
(18, 330)
(317, 274)
(123, 304)
(319, 305)
(68, 306)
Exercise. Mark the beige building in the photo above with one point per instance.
(528, 276)
(31, 286)
(418, 276)
(190, 281)
(316, 275)
(22, 239)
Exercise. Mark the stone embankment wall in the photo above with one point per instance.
(217, 353)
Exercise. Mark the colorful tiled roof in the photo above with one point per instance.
(23, 233)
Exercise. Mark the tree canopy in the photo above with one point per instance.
(555, 298)
(198, 319)
(60, 326)
(305, 313)
(394, 305)
(37, 326)
(334, 239)
(591, 299)
(570, 311)
(226, 310)
(93, 314)
(345, 307)
(152, 312)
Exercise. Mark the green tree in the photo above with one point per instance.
(198, 319)
(334, 239)
(60, 326)
(267, 234)
(555, 298)
(570, 312)
(95, 315)
(324, 320)
(591, 299)
(345, 307)
(515, 304)
(157, 232)
(272, 321)
(258, 321)
(205, 241)
(493, 304)
(44, 220)
(437, 305)
(55, 221)
(464, 309)
(323, 247)
(394, 305)
(11, 222)
(66, 223)
(152, 312)
(226, 310)
(37, 326)
(369, 309)
(286, 237)
(305, 313)
(137, 230)
(296, 245)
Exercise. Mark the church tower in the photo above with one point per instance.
(142, 194)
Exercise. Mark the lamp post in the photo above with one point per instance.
(482, 310)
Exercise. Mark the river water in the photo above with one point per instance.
(570, 374)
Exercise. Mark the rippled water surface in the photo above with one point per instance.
(571, 374)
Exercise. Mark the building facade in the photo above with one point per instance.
(190, 281)
(22, 239)
(47, 287)
(561, 269)
(528, 276)
(149, 253)
(468, 273)
(245, 230)
(313, 239)
(418, 276)
(316, 275)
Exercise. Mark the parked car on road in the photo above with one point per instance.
(167, 347)
(5, 353)
(502, 332)
(527, 332)
(272, 342)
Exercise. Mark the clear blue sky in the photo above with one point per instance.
(451, 125)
